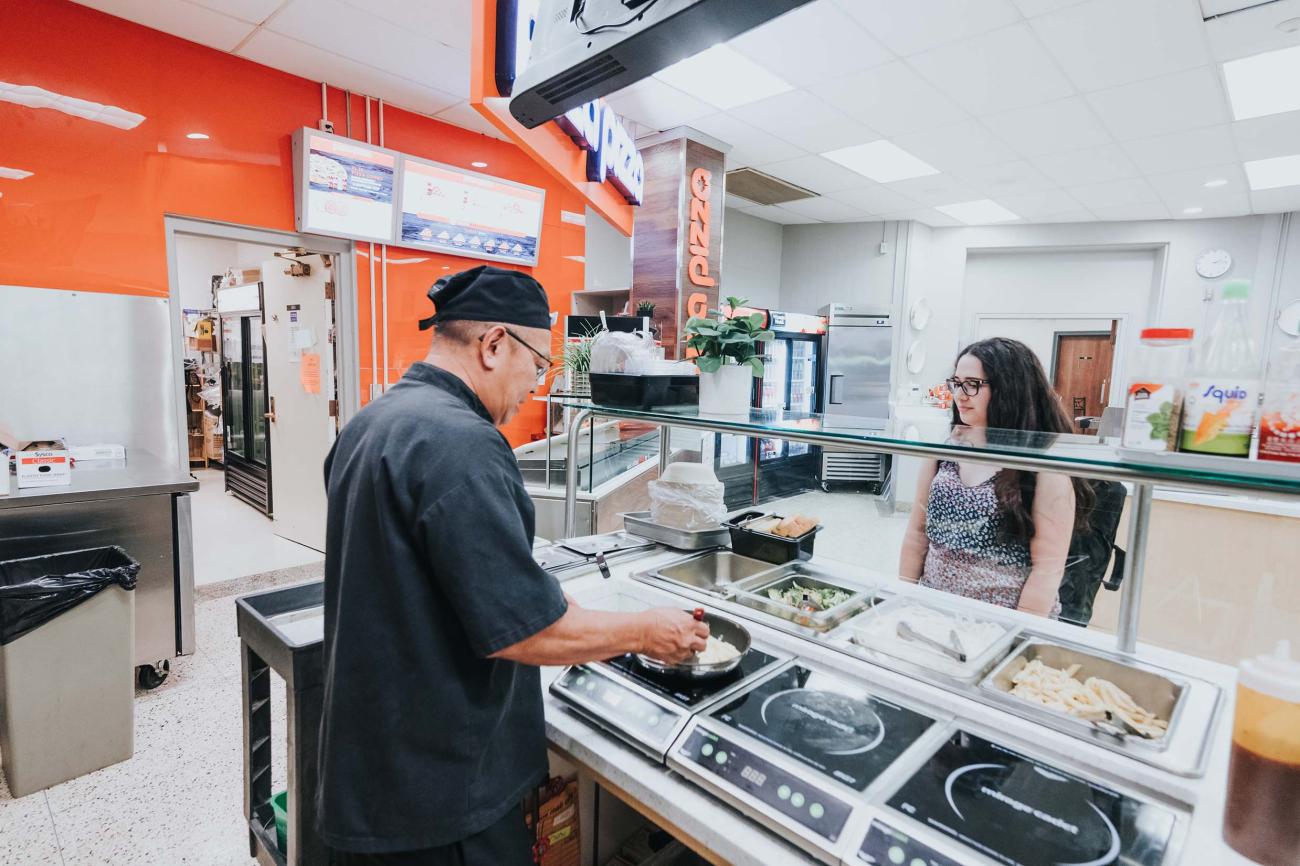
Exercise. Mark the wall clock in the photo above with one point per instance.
(1213, 264)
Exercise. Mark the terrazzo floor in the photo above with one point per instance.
(177, 801)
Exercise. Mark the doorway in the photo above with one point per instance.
(1083, 372)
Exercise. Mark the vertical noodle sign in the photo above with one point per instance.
(698, 237)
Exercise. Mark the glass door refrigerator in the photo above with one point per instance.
(244, 409)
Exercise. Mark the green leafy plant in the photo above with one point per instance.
(645, 308)
(727, 339)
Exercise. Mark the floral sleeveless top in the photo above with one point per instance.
(966, 556)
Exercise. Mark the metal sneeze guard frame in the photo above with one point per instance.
(1142, 473)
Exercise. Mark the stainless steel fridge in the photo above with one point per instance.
(859, 350)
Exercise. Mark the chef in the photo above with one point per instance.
(436, 615)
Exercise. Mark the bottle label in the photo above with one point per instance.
(1279, 428)
(1150, 414)
(1219, 416)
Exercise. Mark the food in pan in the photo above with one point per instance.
(1092, 699)
(795, 526)
(823, 599)
(716, 652)
(880, 629)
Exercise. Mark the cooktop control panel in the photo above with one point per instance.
(885, 846)
(619, 702)
(780, 790)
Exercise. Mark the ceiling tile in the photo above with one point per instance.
(805, 121)
(1005, 178)
(1265, 137)
(891, 98)
(749, 145)
(927, 215)
(1038, 205)
(935, 189)
(463, 115)
(1073, 216)
(1253, 31)
(356, 34)
(1194, 148)
(1283, 199)
(817, 174)
(957, 145)
(319, 64)
(1033, 8)
(1091, 165)
(811, 44)
(826, 209)
(997, 71)
(1190, 184)
(1052, 127)
(1114, 193)
(450, 22)
(186, 20)
(777, 214)
(1126, 212)
(875, 199)
(1233, 204)
(658, 105)
(907, 28)
(735, 201)
(252, 11)
(1105, 43)
(1184, 100)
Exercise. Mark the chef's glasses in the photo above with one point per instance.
(970, 386)
(546, 359)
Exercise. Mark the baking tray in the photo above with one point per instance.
(1153, 689)
(892, 650)
(606, 543)
(639, 523)
(752, 592)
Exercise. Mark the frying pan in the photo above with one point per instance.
(720, 627)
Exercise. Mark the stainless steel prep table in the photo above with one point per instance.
(140, 504)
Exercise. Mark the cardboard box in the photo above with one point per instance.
(43, 467)
(101, 451)
(558, 832)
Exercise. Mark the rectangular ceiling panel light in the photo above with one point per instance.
(980, 212)
(1275, 172)
(882, 161)
(723, 77)
(1264, 84)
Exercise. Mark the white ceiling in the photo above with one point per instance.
(1060, 110)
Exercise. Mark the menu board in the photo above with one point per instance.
(465, 213)
(344, 187)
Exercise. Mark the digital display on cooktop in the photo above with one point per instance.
(836, 728)
(686, 691)
(1023, 812)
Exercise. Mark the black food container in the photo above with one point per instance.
(630, 391)
(765, 545)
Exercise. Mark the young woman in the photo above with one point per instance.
(997, 535)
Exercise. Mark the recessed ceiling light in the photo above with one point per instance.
(882, 161)
(723, 77)
(1192, 210)
(984, 210)
(479, 164)
(197, 136)
(1264, 84)
(13, 173)
(1218, 181)
(1275, 172)
(38, 97)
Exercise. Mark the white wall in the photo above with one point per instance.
(751, 260)
(608, 255)
(197, 259)
(838, 263)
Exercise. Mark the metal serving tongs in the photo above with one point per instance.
(1119, 727)
(956, 651)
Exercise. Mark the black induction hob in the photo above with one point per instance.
(1023, 812)
(686, 691)
(836, 728)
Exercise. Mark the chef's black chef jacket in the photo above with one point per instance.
(428, 571)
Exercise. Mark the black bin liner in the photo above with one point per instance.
(35, 590)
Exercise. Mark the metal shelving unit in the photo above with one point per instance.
(1034, 452)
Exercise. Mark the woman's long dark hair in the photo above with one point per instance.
(1023, 400)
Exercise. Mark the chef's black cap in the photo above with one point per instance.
(488, 294)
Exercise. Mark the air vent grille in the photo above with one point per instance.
(753, 185)
(585, 75)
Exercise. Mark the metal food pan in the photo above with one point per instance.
(639, 523)
(752, 592)
(1152, 689)
(606, 543)
(714, 572)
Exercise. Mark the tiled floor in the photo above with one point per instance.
(178, 800)
(233, 539)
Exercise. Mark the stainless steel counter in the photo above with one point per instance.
(141, 474)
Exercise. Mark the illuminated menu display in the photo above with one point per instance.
(465, 213)
(345, 188)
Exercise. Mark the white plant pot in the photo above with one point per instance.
(726, 391)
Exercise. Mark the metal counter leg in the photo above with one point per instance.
(1130, 601)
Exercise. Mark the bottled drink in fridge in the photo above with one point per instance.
(1223, 383)
(1279, 424)
(1261, 818)
(1154, 403)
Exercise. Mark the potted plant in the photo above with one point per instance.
(577, 365)
(646, 309)
(728, 350)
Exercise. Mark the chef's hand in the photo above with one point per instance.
(672, 635)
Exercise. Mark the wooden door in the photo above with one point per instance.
(1083, 373)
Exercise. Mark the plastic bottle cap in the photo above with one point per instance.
(1277, 674)
(1167, 333)
(1234, 290)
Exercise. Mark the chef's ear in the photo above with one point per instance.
(492, 347)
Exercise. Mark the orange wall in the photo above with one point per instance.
(91, 216)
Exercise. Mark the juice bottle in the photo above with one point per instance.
(1223, 384)
(1261, 817)
(1154, 403)
(1279, 425)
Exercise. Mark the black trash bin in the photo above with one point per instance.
(67, 647)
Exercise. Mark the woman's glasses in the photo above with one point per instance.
(970, 387)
